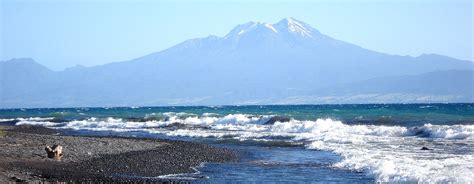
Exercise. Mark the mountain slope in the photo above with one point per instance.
(21, 77)
(253, 61)
(450, 82)
(260, 53)
(438, 86)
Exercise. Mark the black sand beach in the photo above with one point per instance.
(98, 159)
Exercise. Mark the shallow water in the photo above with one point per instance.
(270, 164)
(322, 143)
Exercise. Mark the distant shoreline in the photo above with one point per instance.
(98, 159)
(247, 105)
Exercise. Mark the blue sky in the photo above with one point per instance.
(60, 34)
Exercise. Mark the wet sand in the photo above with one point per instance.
(98, 159)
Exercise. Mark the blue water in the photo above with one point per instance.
(367, 113)
(320, 143)
(282, 164)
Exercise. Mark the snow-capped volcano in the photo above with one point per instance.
(285, 26)
(287, 34)
(284, 62)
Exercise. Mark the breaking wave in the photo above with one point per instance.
(389, 153)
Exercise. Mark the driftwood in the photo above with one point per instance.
(56, 151)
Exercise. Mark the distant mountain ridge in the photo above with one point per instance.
(255, 63)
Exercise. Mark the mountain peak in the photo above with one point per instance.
(295, 26)
(20, 60)
(290, 20)
(286, 25)
(252, 26)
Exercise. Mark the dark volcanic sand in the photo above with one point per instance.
(98, 159)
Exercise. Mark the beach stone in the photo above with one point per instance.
(274, 119)
(56, 151)
(16, 179)
(425, 148)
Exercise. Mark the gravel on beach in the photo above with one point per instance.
(98, 159)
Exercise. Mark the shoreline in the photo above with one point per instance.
(98, 159)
